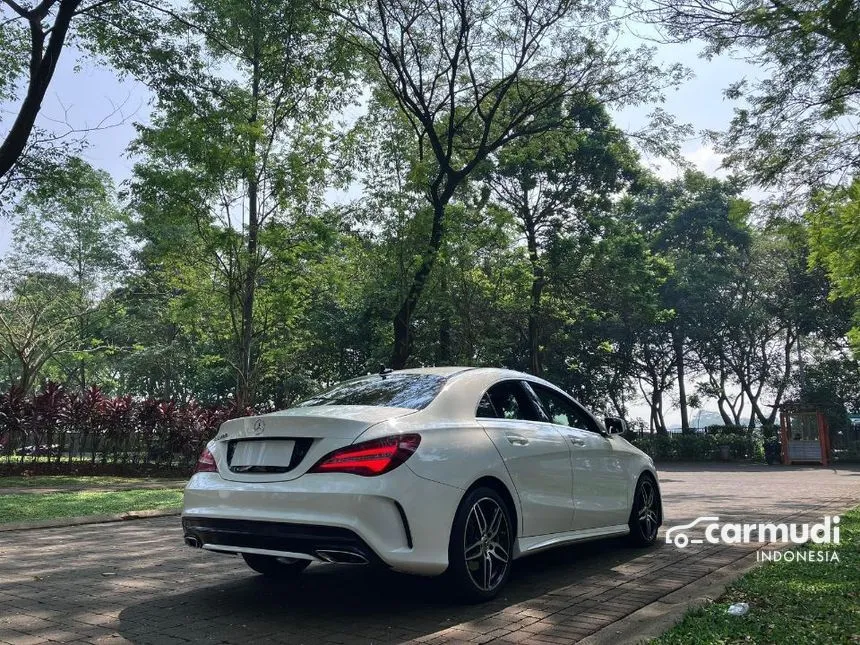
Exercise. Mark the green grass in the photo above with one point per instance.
(28, 507)
(790, 602)
(52, 481)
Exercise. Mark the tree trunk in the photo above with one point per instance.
(81, 320)
(402, 322)
(538, 282)
(721, 403)
(42, 67)
(657, 411)
(655, 404)
(27, 377)
(678, 343)
(83, 365)
(244, 395)
(245, 390)
(443, 354)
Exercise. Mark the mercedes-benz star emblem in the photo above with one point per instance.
(259, 426)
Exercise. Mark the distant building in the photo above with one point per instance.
(854, 421)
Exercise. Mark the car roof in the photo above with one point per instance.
(448, 371)
(436, 371)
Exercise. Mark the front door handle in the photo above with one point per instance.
(575, 441)
(516, 440)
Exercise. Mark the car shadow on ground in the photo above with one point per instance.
(375, 604)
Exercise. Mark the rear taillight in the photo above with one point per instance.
(369, 458)
(206, 463)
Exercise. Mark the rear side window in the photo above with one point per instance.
(507, 400)
(394, 390)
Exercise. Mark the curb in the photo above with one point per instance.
(87, 519)
(652, 620)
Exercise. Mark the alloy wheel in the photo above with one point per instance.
(486, 544)
(648, 509)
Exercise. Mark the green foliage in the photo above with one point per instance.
(494, 210)
(701, 446)
(68, 252)
(70, 224)
(835, 242)
(228, 194)
(726, 429)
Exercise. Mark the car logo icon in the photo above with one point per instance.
(259, 426)
(681, 539)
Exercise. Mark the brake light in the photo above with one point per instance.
(369, 458)
(206, 463)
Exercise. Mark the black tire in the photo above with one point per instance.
(480, 550)
(646, 515)
(275, 568)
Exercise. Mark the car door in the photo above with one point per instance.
(599, 478)
(535, 453)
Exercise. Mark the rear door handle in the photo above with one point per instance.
(575, 441)
(516, 440)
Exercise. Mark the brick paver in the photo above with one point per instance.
(136, 582)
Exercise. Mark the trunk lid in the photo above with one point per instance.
(283, 445)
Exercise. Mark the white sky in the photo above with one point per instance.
(85, 95)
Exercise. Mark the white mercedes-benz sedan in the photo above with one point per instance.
(456, 471)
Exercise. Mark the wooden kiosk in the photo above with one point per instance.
(804, 434)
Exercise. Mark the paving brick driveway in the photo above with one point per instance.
(136, 582)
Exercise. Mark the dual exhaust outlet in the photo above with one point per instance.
(341, 557)
(332, 556)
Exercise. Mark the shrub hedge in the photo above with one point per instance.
(55, 431)
(702, 446)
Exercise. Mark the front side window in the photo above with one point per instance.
(561, 410)
(414, 391)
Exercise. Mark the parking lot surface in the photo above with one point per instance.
(136, 582)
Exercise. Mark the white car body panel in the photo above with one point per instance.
(601, 487)
(334, 426)
(564, 484)
(365, 505)
(537, 458)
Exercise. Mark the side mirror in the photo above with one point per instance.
(615, 425)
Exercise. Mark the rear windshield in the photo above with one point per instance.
(394, 390)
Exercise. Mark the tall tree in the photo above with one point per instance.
(35, 34)
(39, 314)
(603, 307)
(561, 183)
(472, 78)
(47, 25)
(799, 128)
(71, 225)
(237, 158)
(699, 224)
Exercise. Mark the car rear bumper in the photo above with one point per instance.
(321, 543)
(398, 519)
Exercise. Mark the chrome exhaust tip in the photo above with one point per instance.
(193, 541)
(341, 557)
